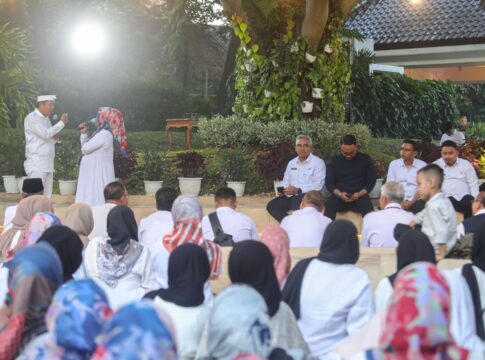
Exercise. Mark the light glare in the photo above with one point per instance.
(88, 40)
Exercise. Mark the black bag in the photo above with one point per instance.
(220, 237)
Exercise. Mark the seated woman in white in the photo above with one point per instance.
(188, 271)
(118, 263)
(329, 295)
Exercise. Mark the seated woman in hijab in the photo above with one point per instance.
(75, 317)
(417, 321)
(68, 247)
(188, 271)
(276, 239)
(329, 295)
(137, 331)
(251, 263)
(35, 273)
(118, 263)
(37, 225)
(26, 210)
(187, 216)
(79, 217)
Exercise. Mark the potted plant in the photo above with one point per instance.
(190, 164)
(12, 157)
(271, 163)
(67, 167)
(151, 171)
(306, 107)
(381, 174)
(315, 77)
(234, 168)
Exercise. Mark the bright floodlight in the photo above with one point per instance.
(88, 39)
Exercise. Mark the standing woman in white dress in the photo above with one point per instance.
(96, 169)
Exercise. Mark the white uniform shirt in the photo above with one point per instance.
(405, 175)
(100, 216)
(458, 137)
(40, 145)
(460, 179)
(234, 223)
(9, 215)
(307, 176)
(335, 301)
(378, 226)
(305, 227)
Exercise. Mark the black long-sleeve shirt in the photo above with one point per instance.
(351, 176)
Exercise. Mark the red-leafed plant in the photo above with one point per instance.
(272, 163)
(190, 164)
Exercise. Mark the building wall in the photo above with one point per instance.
(461, 74)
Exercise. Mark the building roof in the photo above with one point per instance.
(419, 23)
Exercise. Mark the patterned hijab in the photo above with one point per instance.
(417, 321)
(187, 215)
(111, 119)
(239, 323)
(75, 317)
(79, 217)
(35, 273)
(26, 210)
(137, 331)
(276, 239)
(39, 223)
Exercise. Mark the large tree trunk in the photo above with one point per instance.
(229, 67)
(316, 16)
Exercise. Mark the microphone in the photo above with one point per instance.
(91, 121)
(55, 117)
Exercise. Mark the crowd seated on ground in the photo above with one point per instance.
(96, 285)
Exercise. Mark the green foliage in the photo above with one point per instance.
(67, 161)
(12, 150)
(233, 130)
(476, 130)
(235, 161)
(17, 91)
(273, 79)
(398, 106)
(472, 101)
(150, 164)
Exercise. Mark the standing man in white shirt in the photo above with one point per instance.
(405, 171)
(378, 226)
(239, 226)
(304, 173)
(461, 183)
(40, 141)
(114, 194)
(450, 133)
(305, 227)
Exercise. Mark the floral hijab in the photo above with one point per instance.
(417, 321)
(111, 119)
(75, 318)
(137, 331)
(187, 215)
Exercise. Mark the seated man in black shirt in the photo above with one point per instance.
(350, 177)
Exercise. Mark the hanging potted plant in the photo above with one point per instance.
(271, 163)
(234, 168)
(315, 78)
(151, 171)
(67, 167)
(191, 165)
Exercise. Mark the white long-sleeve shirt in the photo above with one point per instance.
(40, 145)
(405, 175)
(305, 227)
(234, 223)
(307, 176)
(460, 178)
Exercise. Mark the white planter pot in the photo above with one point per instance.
(250, 66)
(306, 107)
(294, 48)
(67, 187)
(10, 184)
(277, 183)
(317, 93)
(376, 191)
(310, 58)
(190, 186)
(151, 187)
(267, 93)
(20, 183)
(237, 186)
(328, 49)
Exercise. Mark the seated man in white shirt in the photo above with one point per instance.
(154, 227)
(114, 194)
(378, 226)
(460, 183)
(304, 173)
(305, 227)
(405, 171)
(31, 186)
(239, 226)
(450, 133)
(471, 225)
